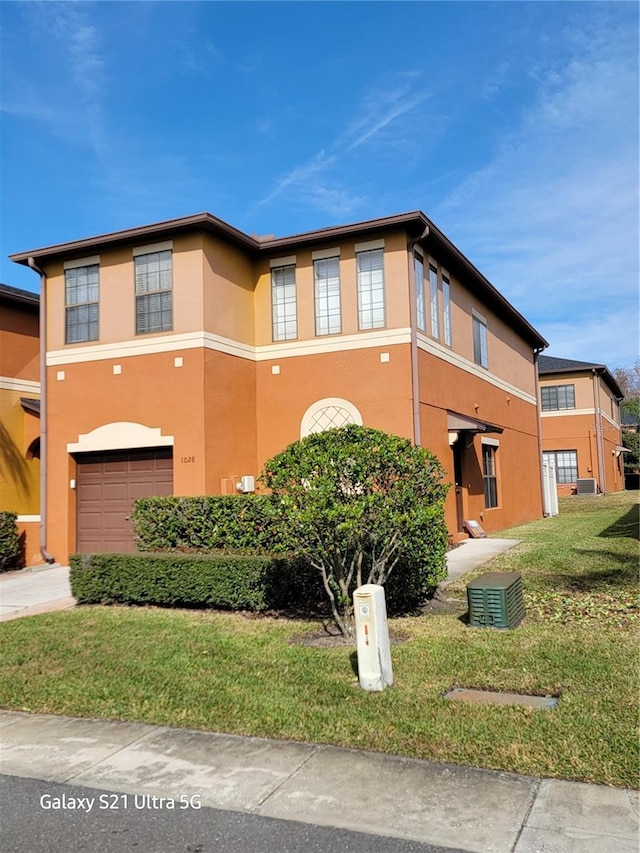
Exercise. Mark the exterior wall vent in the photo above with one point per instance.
(586, 487)
(495, 600)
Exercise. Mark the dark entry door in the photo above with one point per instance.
(458, 453)
(107, 484)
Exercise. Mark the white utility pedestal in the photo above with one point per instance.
(372, 636)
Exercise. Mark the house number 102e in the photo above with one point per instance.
(187, 458)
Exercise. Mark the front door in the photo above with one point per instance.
(458, 454)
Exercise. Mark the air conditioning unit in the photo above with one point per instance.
(246, 485)
(587, 486)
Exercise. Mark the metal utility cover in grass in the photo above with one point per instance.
(495, 600)
(488, 697)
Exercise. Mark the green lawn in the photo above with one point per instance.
(227, 672)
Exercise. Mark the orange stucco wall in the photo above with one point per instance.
(593, 422)
(19, 343)
(237, 398)
(445, 388)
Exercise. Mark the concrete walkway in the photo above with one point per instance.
(35, 590)
(460, 807)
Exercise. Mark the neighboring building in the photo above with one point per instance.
(184, 354)
(581, 433)
(20, 414)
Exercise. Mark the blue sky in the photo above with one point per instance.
(512, 125)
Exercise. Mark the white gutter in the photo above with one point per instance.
(413, 313)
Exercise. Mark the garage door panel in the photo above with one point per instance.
(107, 485)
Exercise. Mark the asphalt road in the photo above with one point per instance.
(38, 817)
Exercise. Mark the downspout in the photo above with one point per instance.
(46, 556)
(536, 353)
(413, 313)
(599, 445)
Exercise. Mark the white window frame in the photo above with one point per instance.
(371, 290)
(284, 303)
(561, 476)
(326, 290)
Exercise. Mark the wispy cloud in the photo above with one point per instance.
(552, 219)
(311, 182)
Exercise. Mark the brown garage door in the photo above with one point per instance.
(107, 485)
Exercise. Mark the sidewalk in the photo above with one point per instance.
(461, 807)
(453, 806)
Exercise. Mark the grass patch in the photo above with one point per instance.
(226, 672)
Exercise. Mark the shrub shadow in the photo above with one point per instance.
(627, 526)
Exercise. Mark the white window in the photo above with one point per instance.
(446, 309)
(566, 463)
(330, 413)
(284, 303)
(433, 290)
(556, 397)
(371, 289)
(326, 274)
(154, 296)
(480, 348)
(81, 304)
(421, 307)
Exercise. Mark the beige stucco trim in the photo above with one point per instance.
(369, 245)
(24, 386)
(321, 254)
(340, 343)
(610, 419)
(28, 519)
(164, 246)
(446, 354)
(563, 413)
(338, 402)
(121, 435)
(194, 340)
(82, 262)
(492, 442)
(289, 261)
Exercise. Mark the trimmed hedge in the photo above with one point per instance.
(236, 523)
(241, 524)
(10, 545)
(229, 582)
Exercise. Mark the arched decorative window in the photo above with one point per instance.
(330, 413)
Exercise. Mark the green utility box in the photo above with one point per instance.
(495, 600)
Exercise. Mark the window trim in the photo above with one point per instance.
(548, 406)
(379, 250)
(434, 301)
(73, 306)
(326, 297)
(276, 336)
(490, 478)
(421, 305)
(554, 453)
(446, 309)
(139, 297)
(480, 354)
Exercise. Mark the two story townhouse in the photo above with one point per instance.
(182, 355)
(581, 431)
(20, 414)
